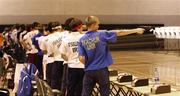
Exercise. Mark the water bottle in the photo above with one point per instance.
(156, 75)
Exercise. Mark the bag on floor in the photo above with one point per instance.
(27, 75)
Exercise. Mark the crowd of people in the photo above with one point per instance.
(75, 47)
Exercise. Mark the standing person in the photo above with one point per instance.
(94, 53)
(54, 45)
(39, 57)
(69, 53)
(19, 50)
(31, 50)
(66, 27)
(42, 46)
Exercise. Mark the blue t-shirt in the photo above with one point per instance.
(93, 45)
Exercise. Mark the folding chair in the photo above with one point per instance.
(43, 89)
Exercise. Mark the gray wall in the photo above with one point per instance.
(110, 11)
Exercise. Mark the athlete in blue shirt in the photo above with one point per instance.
(94, 53)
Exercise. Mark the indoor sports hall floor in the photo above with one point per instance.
(142, 63)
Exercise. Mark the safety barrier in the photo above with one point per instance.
(171, 36)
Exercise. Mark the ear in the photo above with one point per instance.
(93, 25)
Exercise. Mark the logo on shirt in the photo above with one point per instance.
(91, 42)
(57, 42)
(73, 45)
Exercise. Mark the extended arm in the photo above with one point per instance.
(130, 31)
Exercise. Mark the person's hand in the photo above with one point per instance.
(139, 30)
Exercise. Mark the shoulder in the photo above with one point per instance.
(107, 33)
(80, 35)
(68, 38)
(83, 37)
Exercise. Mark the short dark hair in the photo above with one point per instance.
(74, 24)
(40, 28)
(52, 25)
(66, 24)
(35, 25)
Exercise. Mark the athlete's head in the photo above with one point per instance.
(35, 25)
(75, 25)
(66, 24)
(40, 27)
(92, 23)
(46, 30)
(54, 26)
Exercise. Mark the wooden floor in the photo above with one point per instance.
(142, 64)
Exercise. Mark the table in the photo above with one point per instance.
(127, 90)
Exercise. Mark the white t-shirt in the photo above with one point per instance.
(41, 42)
(42, 45)
(48, 48)
(14, 35)
(69, 48)
(55, 43)
(28, 40)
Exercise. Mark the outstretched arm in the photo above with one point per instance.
(130, 31)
